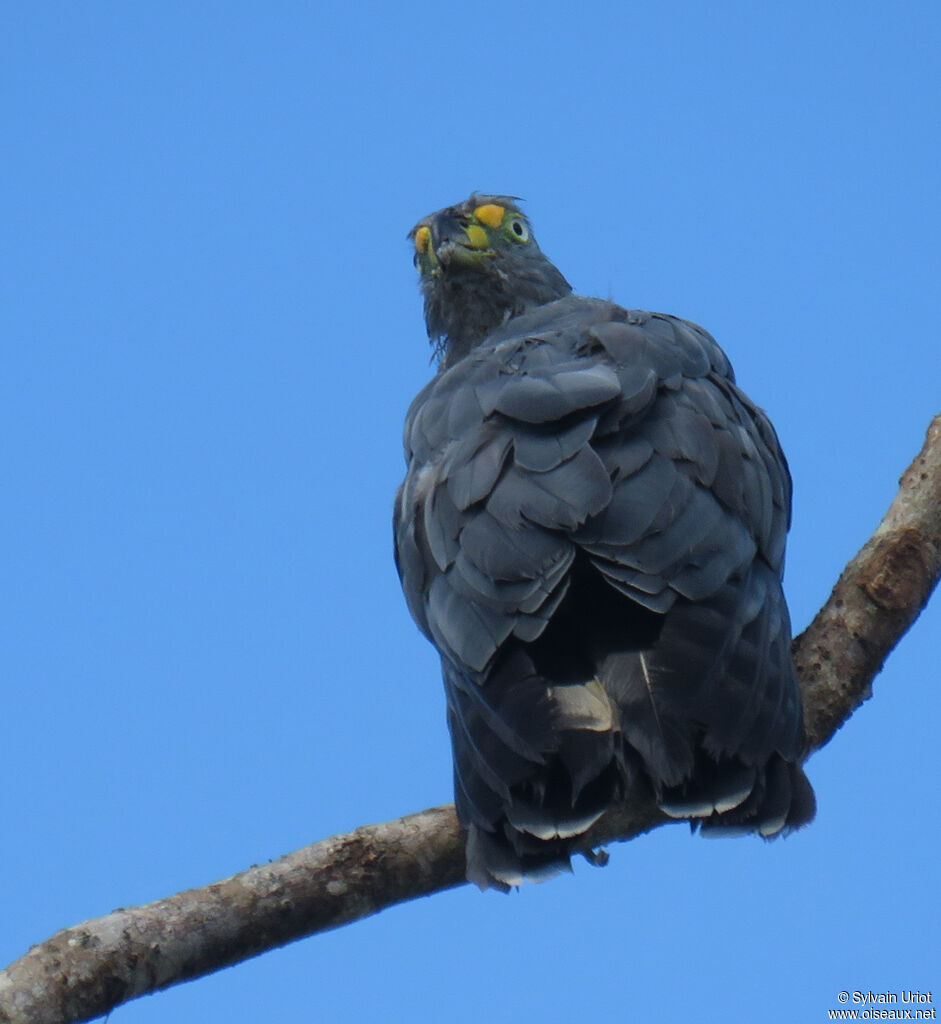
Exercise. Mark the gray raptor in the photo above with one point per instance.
(591, 532)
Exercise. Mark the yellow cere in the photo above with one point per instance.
(490, 214)
(477, 237)
(422, 239)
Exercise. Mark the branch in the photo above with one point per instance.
(85, 971)
(878, 596)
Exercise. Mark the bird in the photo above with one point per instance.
(591, 532)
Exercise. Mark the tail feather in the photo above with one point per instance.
(494, 862)
(533, 770)
(714, 792)
(532, 819)
(700, 702)
(781, 802)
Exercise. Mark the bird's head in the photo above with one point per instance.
(479, 266)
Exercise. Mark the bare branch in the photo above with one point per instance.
(879, 595)
(83, 972)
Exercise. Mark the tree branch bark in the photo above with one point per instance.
(84, 971)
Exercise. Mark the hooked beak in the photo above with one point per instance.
(448, 240)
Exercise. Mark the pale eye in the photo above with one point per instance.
(519, 229)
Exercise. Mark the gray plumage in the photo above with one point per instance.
(591, 532)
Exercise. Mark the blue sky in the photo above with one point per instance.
(211, 333)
